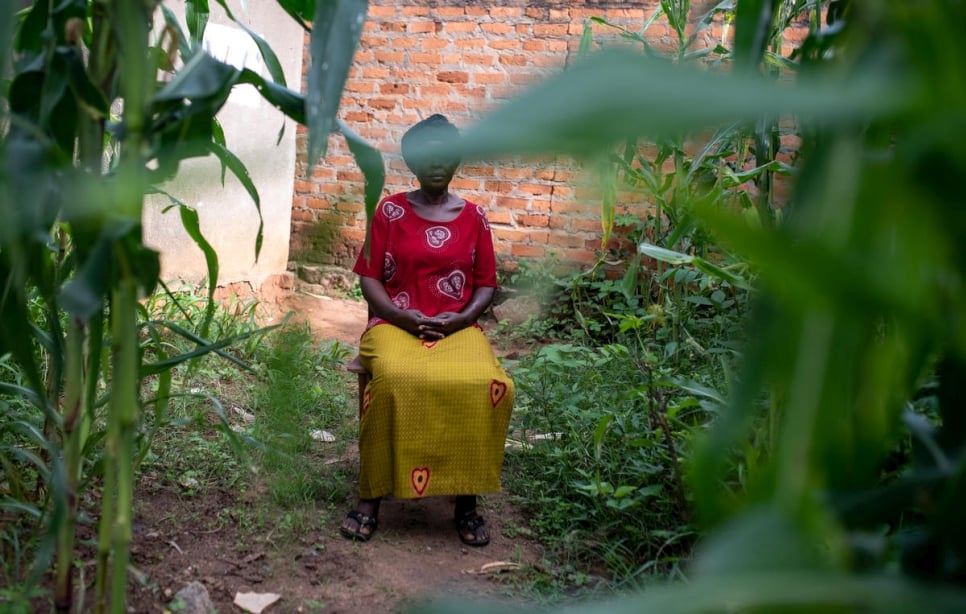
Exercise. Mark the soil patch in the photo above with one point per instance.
(415, 555)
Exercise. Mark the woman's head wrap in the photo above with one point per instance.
(434, 128)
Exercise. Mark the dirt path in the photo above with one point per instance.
(415, 555)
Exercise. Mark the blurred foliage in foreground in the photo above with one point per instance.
(858, 308)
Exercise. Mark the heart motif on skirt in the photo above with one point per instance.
(420, 479)
(452, 286)
(392, 211)
(497, 392)
(366, 399)
(437, 236)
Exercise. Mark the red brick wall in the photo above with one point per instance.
(462, 58)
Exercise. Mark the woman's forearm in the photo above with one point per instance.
(480, 300)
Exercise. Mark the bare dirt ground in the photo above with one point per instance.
(414, 556)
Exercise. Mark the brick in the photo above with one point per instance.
(527, 251)
(454, 106)
(515, 172)
(375, 72)
(502, 187)
(350, 206)
(448, 12)
(390, 57)
(558, 15)
(397, 89)
(548, 61)
(506, 12)
(303, 187)
(508, 234)
(513, 204)
(540, 204)
(479, 59)
(469, 43)
(550, 30)
(403, 42)
(498, 217)
(433, 44)
(452, 76)
(459, 26)
(382, 11)
(524, 79)
(537, 189)
(393, 26)
(414, 11)
(465, 183)
(541, 221)
(493, 78)
(585, 225)
(564, 206)
(537, 13)
(513, 59)
(504, 44)
(360, 87)
(496, 28)
(424, 58)
(535, 46)
(421, 27)
(382, 103)
(475, 11)
(539, 236)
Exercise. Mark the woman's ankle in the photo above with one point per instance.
(465, 504)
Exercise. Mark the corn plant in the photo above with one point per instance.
(859, 313)
(101, 101)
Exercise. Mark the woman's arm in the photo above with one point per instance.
(410, 320)
(450, 322)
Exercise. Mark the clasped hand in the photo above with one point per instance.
(433, 328)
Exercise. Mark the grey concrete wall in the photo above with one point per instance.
(229, 219)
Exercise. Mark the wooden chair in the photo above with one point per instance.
(355, 366)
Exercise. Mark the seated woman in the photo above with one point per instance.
(436, 410)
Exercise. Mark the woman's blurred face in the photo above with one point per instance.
(434, 172)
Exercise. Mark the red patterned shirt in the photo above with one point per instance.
(427, 265)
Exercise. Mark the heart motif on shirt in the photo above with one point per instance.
(392, 211)
(437, 236)
(388, 267)
(429, 344)
(420, 479)
(452, 286)
(497, 392)
(401, 300)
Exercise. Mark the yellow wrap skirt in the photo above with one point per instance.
(434, 415)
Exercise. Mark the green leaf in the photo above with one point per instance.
(369, 160)
(196, 13)
(189, 219)
(6, 30)
(336, 31)
(268, 54)
(289, 102)
(171, 21)
(237, 167)
(299, 10)
(611, 96)
(753, 23)
(201, 77)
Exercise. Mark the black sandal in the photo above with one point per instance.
(362, 533)
(473, 524)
